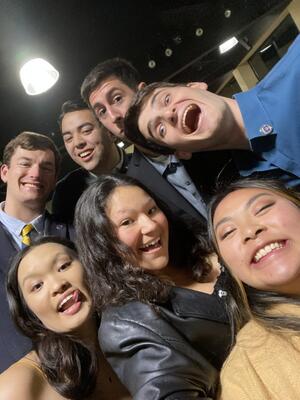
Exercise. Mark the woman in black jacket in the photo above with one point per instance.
(164, 327)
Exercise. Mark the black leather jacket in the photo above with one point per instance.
(170, 353)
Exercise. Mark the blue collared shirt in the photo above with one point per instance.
(271, 115)
(14, 226)
(180, 180)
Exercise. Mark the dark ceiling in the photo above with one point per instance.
(75, 35)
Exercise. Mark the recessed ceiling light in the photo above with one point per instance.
(229, 44)
(265, 48)
(151, 64)
(38, 76)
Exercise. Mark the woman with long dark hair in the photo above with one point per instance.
(50, 303)
(255, 226)
(164, 328)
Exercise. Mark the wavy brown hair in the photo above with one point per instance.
(113, 273)
(69, 365)
(258, 304)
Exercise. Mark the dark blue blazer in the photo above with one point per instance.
(13, 345)
(204, 168)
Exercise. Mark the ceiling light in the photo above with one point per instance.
(151, 64)
(199, 32)
(121, 144)
(168, 52)
(229, 44)
(38, 76)
(265, 48)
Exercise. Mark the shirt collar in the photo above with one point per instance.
(15, 225)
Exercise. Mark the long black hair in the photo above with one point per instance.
(111, 267)
(69, 365)
(262, 305)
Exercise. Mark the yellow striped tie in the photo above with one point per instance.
(25, 234)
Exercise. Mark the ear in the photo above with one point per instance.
(183, 155)
(199, 85)
(141, 85)
(3, 171)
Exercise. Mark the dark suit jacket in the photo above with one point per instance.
(204, 169)
(13, 345)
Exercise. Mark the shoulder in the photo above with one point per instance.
(72, 177)
(137, 323)
(28, 378)
(250, 346)
(133, 312)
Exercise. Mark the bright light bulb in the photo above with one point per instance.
(229, 44)
(38, 76)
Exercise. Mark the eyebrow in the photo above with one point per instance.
(247, 205)
(153, 100)
(150, 126)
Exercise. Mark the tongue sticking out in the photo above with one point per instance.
(74, 299)
(191, 118)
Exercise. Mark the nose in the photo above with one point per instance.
(171, 115)
(59, 285)
(252, 232)
(115, 115)
(35, 170)
(147, 224)
(79, 141)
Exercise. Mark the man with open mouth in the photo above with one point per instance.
(260, 126)
(108, 89)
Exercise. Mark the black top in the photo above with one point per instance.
(172, 352)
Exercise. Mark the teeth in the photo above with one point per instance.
(32, 184)
(65, 300)
(185, 127)
(85, 153)
(154, 242)
(266, 250)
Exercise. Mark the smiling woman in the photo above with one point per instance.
(255, 226)
(164, 327)
(50, 304)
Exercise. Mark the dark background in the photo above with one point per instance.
(75, 35)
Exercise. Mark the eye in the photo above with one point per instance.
(101, 112)
(87, 131)
(24, 164)
(36, 286)
(224, 235)
(126, 222)
(161, 130)
(64, 266)
(47, 169)
(117, 98)
(152, 210)
(264, 208)
(167, 100)
(67, 138)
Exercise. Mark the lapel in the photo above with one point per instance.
(55, 228)
(8, 248)
(141, 169)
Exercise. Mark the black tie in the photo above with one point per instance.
(171, 169)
